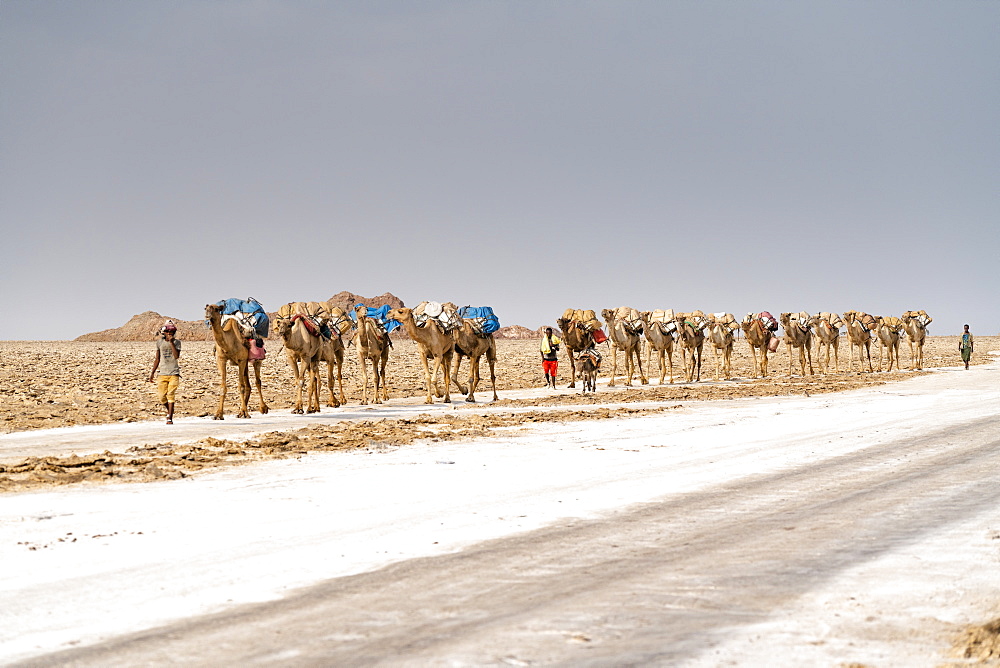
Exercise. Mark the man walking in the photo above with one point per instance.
(965, 346)
(550, 360)
(168, 351)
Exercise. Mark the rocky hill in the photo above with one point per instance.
(145, 326)
(518, 332)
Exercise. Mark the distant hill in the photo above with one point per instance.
(145, 326)
(518, 332)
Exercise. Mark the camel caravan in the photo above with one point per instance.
(316, 333)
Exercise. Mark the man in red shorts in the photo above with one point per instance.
(550, 361)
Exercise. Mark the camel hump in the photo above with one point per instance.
(893, 321)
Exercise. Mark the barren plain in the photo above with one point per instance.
(45, 384)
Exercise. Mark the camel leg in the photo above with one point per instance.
(454, 374)
(244, 389)
(572, 369)
(298, 374)
(491, 358)
(330, 386)
(427, 379)
(364, 377)
(383, 376)
(836, 355)
(473, 378)
(340, 376)
(642, 376)
(699, 349)
(260, 394)
(378, 381)
(446, 367)
(221, 361)
(614, 365)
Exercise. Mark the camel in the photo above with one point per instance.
(373, 346)
(332, 352)
(915, 325)
(231, 348)
(576, 338)
(302, 340)
(434, 343)
(720, 334)
(859, 336)
(590, 364)
(759, 337)
(798, 334)
(470, 343)
(827, 330)
(887, 332)
(659, 337)
(625, 335)
(691, 336)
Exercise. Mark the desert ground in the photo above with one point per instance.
(845, 519)
(45, 384)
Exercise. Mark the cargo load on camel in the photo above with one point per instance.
(319, 317)
(446, 315)
(585, 318)
(831, 318)
(380, 315)
(629, 317)
(920, 316)
(248, 313)
(252, 321)
(482, 319)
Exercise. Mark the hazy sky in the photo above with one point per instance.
(531, 156)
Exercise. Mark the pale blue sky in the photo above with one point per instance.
(530, 156)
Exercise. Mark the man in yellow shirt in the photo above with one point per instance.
(550, 361)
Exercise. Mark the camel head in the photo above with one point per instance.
(401, 314)
(213, 311)
(282, 327)
(609, 315)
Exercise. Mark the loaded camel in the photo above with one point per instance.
(827, 330)
(577, 338)
(626, 336)
(331, 351)
(660, 337)
(469, 342)
(691, 336)
(798, 334)
(720, 334)
(301, 337)
(859, 336)
(433, 343)
(231, 347)
(373, 346)
(887, 331)
(759, 337)
(915, 325)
